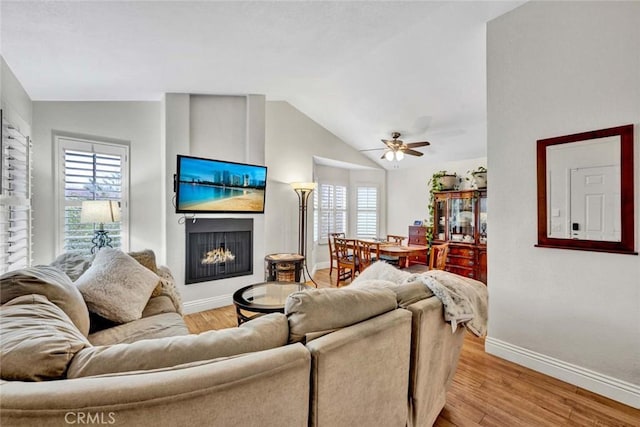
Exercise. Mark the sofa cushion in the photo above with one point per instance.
(315, 310)
(116, 286)
(38, 339)
(262, 333)
(54, 285)
(73, 263)
(406, 294)
(158, 326)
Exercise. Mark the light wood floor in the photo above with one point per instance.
(489, 391)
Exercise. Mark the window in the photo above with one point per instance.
(367, 212)
(15, 198)
(332, 212)
(90, 170)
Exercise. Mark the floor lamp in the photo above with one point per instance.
(303, 190)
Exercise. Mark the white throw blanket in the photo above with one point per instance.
(465, 301)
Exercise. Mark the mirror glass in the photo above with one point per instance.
(585, 191)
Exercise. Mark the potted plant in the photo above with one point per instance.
(443, 180)
(479, 176)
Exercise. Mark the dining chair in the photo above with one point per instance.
(394, 260)
(332, 252)
(395, 238)
(368, 253)
(438, 256)
(346, 258)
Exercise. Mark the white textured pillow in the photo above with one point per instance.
(116, 286)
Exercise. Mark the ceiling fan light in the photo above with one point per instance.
(389, 155)
(399, 155)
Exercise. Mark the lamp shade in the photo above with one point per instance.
(399, 155)
(389, 155)
(303, 186)
(100, 211)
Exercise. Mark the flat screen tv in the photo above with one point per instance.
(216, 186)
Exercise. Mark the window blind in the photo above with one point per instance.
(332, 210)
(15, 198)
(367, 212)
(90, 171)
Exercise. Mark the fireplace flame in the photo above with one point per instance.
(217, 256)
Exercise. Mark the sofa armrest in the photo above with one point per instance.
(235, 391)
(434, 357)
(359, 374)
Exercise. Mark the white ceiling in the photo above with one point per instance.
(360, 69)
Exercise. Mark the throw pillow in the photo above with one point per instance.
(316, 310)
(73, 263)
(116, 286)
(38, 340)
(262, 333)
(147, 258)
(53, 284)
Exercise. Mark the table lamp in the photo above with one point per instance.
(100, 212)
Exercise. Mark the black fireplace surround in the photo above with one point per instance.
(218, 248)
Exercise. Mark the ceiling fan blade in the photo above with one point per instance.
(418, 144)
(412, 152)
(384, 154)
(390, 144)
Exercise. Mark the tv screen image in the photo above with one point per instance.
(216, 186)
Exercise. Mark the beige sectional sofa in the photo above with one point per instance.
(375, 353)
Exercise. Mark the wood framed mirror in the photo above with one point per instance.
(586, 191)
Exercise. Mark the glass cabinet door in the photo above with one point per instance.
(440, 219)
(482, 219)
(462, 219)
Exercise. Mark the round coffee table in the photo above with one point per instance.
(266, 297)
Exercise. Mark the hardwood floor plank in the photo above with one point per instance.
(487, 390)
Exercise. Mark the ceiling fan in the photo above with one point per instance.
(396, 148)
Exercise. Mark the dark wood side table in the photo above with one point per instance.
(262, 298)
(283, 267)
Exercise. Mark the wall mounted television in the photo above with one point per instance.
(216, 186)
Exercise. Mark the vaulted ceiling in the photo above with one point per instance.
(360, 69)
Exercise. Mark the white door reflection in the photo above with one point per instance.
(583, 190)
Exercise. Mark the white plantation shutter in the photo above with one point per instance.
(332, 214)
(367, 212)
(90, 170)
(15, 199)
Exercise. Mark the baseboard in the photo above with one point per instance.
(613, 388)
(204, 304)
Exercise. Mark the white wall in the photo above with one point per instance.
(292, 141)
(14, 100)
(408, 192)
(134, 122)
(557, 68)
(219, 127)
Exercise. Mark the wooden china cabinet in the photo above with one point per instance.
(460, 219)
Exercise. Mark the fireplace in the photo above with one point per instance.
(218, 249)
